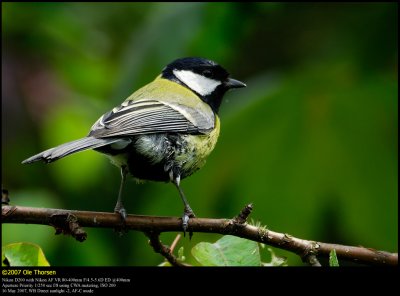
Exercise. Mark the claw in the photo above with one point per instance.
(122, 212)
(185, 220)
(187, 214)
(121, 230)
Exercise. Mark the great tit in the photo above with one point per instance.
(162, 132)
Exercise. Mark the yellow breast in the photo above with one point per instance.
(198, 149)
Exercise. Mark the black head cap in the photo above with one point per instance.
(208, 69)
(200, 66)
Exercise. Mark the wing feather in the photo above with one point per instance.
(151, 116)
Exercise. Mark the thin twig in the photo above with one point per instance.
(243, 215)
(312, 260)
(175, 242)
(16, 214)
(158, 247)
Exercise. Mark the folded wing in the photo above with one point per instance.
(130, 119)
(149, 117)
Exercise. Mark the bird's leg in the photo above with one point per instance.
(187, 211)
(119, 207)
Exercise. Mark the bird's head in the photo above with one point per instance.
(206, 78)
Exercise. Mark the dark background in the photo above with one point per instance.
(312, 141)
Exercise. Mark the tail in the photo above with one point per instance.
(63, 150)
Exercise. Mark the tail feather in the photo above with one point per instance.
(63, 150)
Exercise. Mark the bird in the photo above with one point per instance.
(164, 131)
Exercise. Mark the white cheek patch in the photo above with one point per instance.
(200, 84)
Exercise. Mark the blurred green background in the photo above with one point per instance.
(312, 141)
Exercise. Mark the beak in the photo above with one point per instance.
(233, 83)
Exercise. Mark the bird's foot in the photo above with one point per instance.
(187, 214)
(120, 210)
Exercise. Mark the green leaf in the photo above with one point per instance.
(181, 255)
(275, 259)
(165, 264)
(228, 251)
(23, 254)
(333, 261)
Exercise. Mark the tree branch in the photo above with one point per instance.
(307, 250)
(158, 247)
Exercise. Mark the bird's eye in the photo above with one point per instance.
(207, 73)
